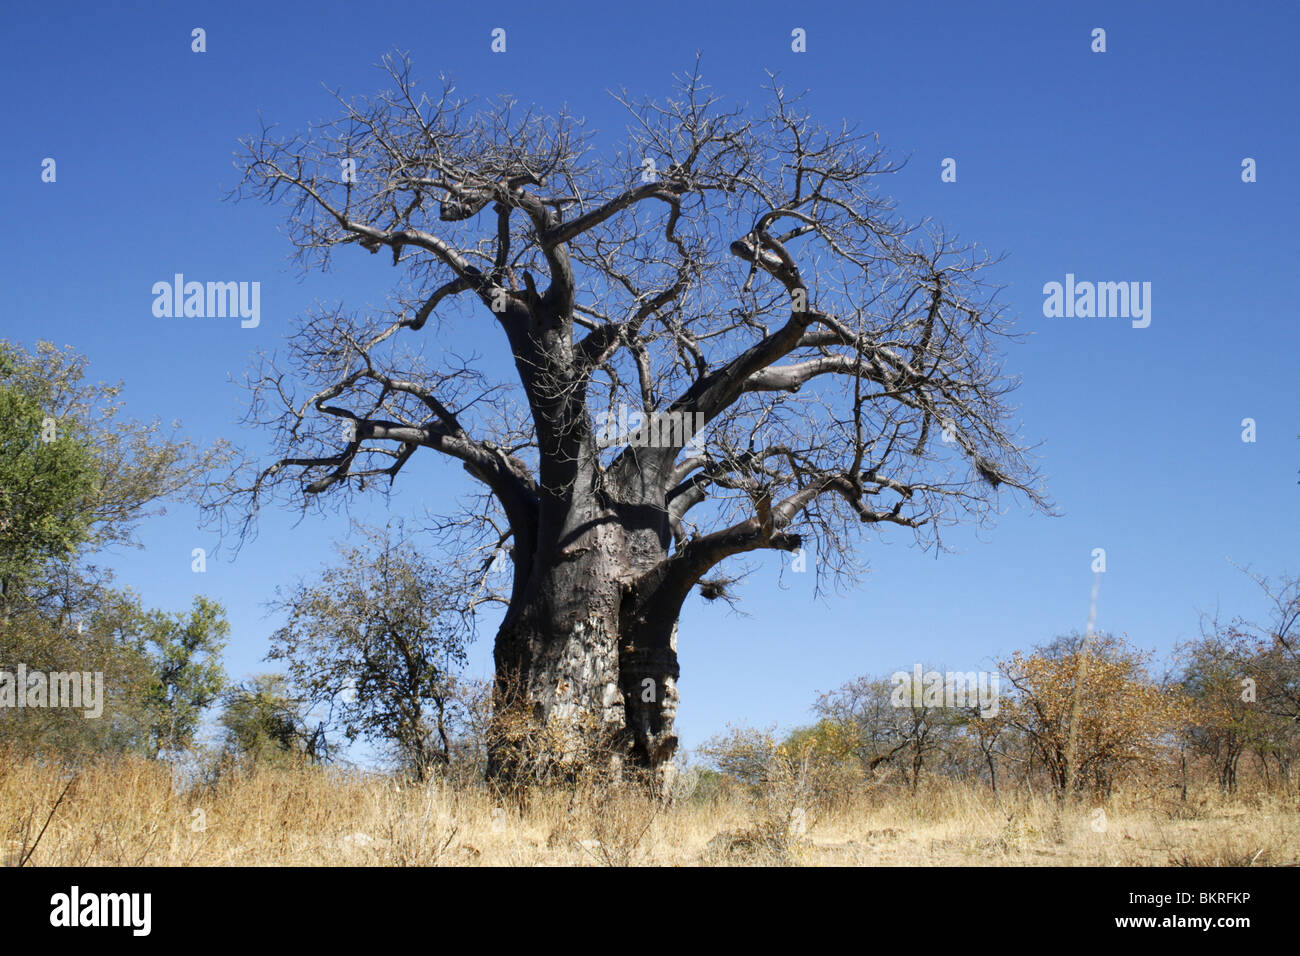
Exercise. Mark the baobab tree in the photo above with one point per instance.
(724, 340)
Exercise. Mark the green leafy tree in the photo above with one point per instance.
(160, 671)
(184, 651)
(264, 724)
(86, 489)
(102, 643)
(377, 638)
(77, 477)
(46, 480)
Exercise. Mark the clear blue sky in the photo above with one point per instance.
(1124, 165)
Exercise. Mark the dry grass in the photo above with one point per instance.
(130, 813)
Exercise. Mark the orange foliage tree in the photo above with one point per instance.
(1123, 720)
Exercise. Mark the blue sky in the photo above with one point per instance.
(1123, 165)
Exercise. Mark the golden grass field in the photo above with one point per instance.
(128, 812)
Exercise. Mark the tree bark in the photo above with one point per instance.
(586, 656)
(586, 664)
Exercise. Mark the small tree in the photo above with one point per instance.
(1224, 720)
(46, 480)
(989, 736)
(1124, 718)
(377, 637)
(889, 735)
(1274, 647)
(184, 652)
(745, 754)
(102, 644)
(264, 724)
(1246, 677)
(824, 756)
(75, 477)
(159, 672)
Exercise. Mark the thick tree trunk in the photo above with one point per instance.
(648, 672)
(586, 670)
(586, 659)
